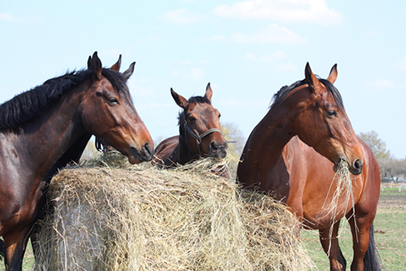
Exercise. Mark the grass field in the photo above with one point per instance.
(390, 236)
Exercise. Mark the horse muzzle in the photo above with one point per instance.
(355, 167)
(144, 155)
(218, 150)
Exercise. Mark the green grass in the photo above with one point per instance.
(390, 234)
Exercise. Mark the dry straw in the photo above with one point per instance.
(142, 218)
(341, 188)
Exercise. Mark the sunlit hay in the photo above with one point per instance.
(342, 192)
(142, 218)
(112, 159)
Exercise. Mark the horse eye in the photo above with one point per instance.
(192, 119)
(113, 101)
(332, 113)
(219, 115)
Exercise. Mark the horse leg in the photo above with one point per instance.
(363, 244)
(15, 243)
(329, 242)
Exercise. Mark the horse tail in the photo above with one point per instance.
(371, 260)
(2, 252)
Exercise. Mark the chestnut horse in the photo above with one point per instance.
(41, 130)
(293, 153)
(199, 133)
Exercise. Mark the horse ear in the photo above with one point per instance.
(89, 63)
(333, 74)
(179, 99)
(96, 66)
(311, 79)
(209, 92)
(129, 71)
(117, 65)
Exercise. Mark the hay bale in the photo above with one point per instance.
(143, 218)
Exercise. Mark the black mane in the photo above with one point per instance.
(30, 104)
(281, 94)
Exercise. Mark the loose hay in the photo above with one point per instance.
(148, 219)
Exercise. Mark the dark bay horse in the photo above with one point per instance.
(43, 129)
(199, 132)
(293, 153)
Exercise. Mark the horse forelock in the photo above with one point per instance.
(334, 91)
(284, 91)
(31, 104)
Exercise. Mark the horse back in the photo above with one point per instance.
(166, 152)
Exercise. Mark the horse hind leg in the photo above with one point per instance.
(329, 242)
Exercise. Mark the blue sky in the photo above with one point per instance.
(247, 50)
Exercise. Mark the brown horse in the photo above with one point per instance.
(199, 133)
(43, 129)
(276, 160)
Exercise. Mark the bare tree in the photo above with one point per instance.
(235, 137)
(377, 145)
(391, 168)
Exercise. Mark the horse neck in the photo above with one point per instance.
(185, 153)
(55, 131)
(275, 133)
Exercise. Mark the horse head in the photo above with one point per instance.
(109, 113)
(200, 125)
(323, 123)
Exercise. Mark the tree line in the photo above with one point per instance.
(392, 169)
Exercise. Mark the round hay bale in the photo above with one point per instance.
(142, 218)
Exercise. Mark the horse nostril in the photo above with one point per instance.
(148, 152)
(357, 167)
(213, 146)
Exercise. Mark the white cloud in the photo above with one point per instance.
(314, 11)
(271, 34)
(6, 17)
(265, 58)
(140, 90)
(182, 16)
(289, 67)
(193, 73)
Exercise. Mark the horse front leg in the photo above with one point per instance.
(15, 243)
(329, 242)
(360, 228)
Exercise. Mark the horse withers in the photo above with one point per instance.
(43, 129)
(199, 132)
(293, 153)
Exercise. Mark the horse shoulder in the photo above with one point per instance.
(310, 176)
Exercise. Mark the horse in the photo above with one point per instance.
(43, 129)
(199, 133)
(292, 155)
